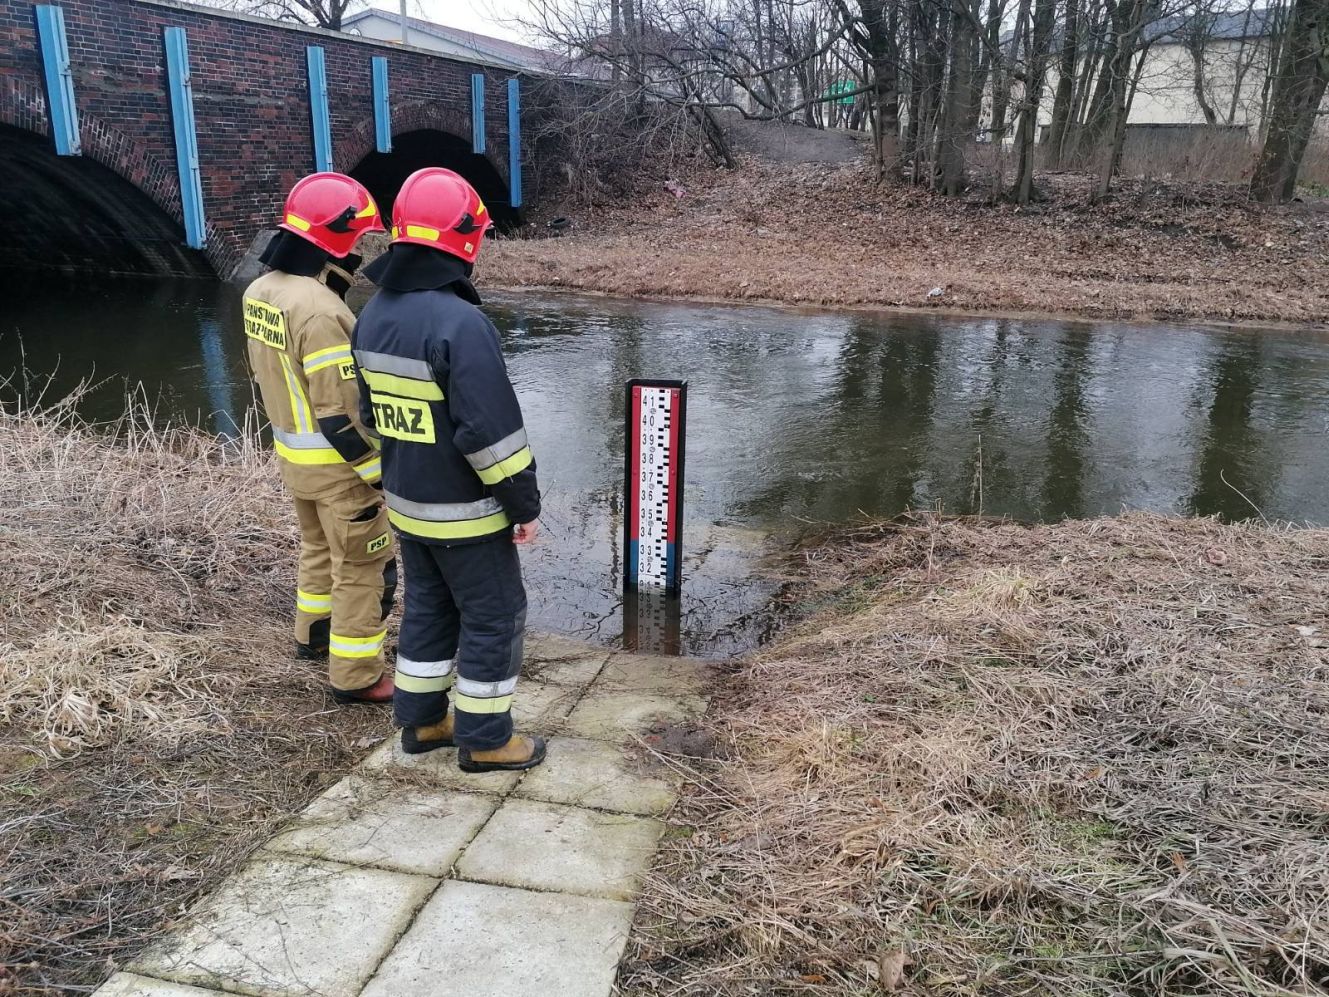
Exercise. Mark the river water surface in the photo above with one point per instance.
(795, 420)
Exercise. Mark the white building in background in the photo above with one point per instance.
(1235, 59)
(465, 45)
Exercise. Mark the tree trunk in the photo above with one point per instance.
(883, 62)
(1001, 94)
(1196, 45)
(1297, 93)
(1098, 113)
(1035, 75)
(616, 39)
(952, 137)
(1121, 91)
(1124, 83)
(1061, 102)
(989, 62)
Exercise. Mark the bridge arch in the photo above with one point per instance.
(428, 133)
(114, 209)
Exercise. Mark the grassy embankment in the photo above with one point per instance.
(818, 234)
(1089, 758)
(1084, 758)
(153, 723)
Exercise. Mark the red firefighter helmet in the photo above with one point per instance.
(437, 207)
(332, 211)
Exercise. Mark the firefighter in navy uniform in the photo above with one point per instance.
(458, 477)
(300, 351)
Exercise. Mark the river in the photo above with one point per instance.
(796, 420)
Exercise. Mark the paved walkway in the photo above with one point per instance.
(410, 879)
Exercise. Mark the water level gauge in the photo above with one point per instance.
(653, 520)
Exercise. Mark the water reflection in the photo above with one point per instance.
(653, 622)
(179, 339)
(795, 419)
(1068, 431)
(1227, 479)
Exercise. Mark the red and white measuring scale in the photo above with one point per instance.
(653, 479)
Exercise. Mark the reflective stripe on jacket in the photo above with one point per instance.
(300, 353)
(457, 466)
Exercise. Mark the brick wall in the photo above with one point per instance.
(251, 102)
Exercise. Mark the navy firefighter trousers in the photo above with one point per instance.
(462, 630)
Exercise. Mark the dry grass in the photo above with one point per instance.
(153, 724)
(814, 234)
(1074, 759)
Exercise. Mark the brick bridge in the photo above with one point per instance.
(111, 84)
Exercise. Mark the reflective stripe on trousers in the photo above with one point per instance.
(462, 627)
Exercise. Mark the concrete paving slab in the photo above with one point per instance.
(132, 985)
(563, 661)
(587, 773)
(483, 940)
(439, 768)
(659, 675)
(544, 846)
(285, 926)
(614, 716)
(367, 822)
(541, 706)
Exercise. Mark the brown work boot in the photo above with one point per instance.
(418, 740)
(518, 754)
(380, 692)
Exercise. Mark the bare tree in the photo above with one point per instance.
(1062, 101)
(1297, 94)
(952, 136)
(1195, 35)
(323, 13)
(1035, 74)
(874, 31)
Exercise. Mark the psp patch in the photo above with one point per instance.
(347, 370)
(377, 544)
(403, 418)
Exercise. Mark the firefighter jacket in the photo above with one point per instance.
(300, 352)
(457, 467)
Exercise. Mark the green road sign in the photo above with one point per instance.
(841, 87)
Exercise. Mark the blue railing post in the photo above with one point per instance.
(59, 80)
(382, 107)
(318, 108)
(478, 113)
(514, 142)
(186, 137)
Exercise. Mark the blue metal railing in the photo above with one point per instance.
(514, 143)
(478, 113)
(318, 108)
(186, 136)
(59, 80)
(382, 107)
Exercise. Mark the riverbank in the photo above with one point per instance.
(1079, 758)
(1072, 759)
(154, 726)
(828, 235)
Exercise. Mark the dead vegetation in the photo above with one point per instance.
(819, 234)
(1076, 759)
(153, 723)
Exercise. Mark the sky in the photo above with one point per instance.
(489, 17)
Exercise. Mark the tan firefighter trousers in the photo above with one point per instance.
(348, 574)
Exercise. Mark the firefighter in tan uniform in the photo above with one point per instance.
(299, 349)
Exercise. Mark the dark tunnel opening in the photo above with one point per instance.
(383, 173)
(73, 214)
